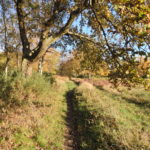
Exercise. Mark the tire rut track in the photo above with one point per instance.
(71, 133)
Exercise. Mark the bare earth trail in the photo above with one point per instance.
(71, 133)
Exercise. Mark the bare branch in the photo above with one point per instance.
(73, 15)
(105, 36)
(82, 36)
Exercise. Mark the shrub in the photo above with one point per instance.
(49, 77)
(41, 124)
(17, 89)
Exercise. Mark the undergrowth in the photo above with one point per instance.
(32, 111)
(17, 89)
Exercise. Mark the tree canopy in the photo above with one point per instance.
(119, 29)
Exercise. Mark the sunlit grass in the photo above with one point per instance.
(120, 120)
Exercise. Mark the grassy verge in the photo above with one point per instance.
(32, 114)
(111, 120)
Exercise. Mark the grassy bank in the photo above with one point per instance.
(110, 120)
(32, 113)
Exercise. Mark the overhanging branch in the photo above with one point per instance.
(46, 40)
(82, 36)
(104, 34)
(65, 29)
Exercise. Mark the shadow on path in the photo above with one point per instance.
(83, 127)
(71, 135)
(92, 136)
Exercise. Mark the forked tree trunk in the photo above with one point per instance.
(47, 38)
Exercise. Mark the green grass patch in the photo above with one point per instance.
(111, 120)
(33, 119)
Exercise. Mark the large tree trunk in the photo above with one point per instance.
(46, 38)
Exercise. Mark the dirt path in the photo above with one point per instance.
(71, 135)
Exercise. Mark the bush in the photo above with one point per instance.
(41, 124)
(49, 77)
(17, 89)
